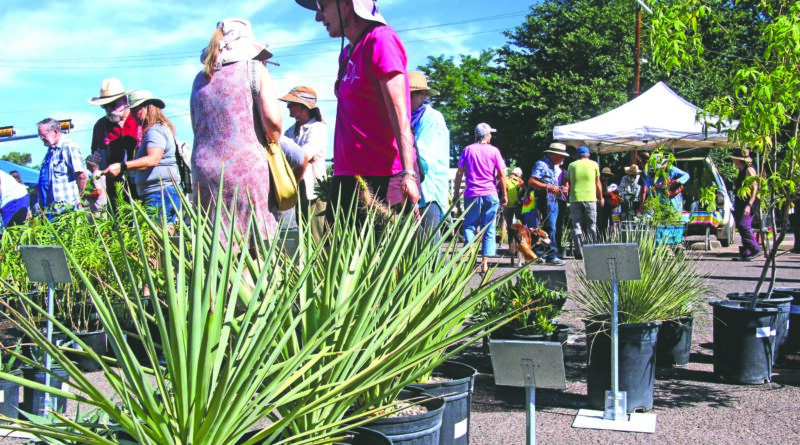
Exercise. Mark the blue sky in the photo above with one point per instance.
(58, 52)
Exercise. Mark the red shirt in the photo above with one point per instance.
(117, 140)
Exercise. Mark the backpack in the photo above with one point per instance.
(183, 156)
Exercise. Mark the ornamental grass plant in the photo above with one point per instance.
(671, 287)
(305, 348)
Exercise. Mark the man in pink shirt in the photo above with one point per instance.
(483, 168)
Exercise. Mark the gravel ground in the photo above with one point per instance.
(691, 405)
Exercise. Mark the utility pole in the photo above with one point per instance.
(638, 50)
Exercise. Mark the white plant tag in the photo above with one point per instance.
(460, 429)
(763, 332)
(2, 397)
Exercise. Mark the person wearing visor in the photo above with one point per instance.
(235, 114)
(310, 133)
(373, 137)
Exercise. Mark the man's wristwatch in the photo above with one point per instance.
(412, 173)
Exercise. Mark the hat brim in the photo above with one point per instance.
(297, 100)
(557, 152)
(105, 99)
(428, 91)
(630, 171)
(155, 101)
(308, 4)
(368, 10)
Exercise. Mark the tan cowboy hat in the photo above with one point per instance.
(110, 90)
(606, 171)
(238, 43)
(632, 170)
(418, 82)
(141, 97)
(301, 95)
(558, 149)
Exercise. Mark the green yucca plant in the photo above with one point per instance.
(671, 286)
(314, 345)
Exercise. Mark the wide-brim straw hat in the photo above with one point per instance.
(302, 95)
(110, 90)
(632, 170)
(418, 82)
(558, 149)
(238, 43)
(141, 97)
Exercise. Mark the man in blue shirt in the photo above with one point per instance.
(667, 183)
(433, 149)
(544, 179)
(63, 176)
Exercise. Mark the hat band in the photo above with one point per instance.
(305, 96)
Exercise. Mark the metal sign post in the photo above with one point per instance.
(46, 264)
(532, 364)
(614, 262)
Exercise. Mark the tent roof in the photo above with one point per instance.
(657, 117)
(29, 176)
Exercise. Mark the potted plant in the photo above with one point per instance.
(315, 348)
(536, 308)
(762, 100)
(670, 289)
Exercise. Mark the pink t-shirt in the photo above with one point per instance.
(364, 142)
(481, 162)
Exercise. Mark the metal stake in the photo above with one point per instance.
(616, 401)
(530, 399)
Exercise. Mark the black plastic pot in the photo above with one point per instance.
(783, 303)
(420, 429)
(10, 391)
(531, 337)
(457, 395)
(96, 341)
(743, 341)
(561, 334)
(637, 363)
(357, 436)
(674, 342)
(33, 400)
(793, 336)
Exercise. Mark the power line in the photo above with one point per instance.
(50, 63)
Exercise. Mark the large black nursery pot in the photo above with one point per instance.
(10, 393)
(33, 400)
(637, 363)
(674, 345)
(96, 341)
(744, 341)
(356, 436)
(781, 328)
(457, 394)
(420, 429)
(793, 336)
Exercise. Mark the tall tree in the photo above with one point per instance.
(17, 158)
(763, 92)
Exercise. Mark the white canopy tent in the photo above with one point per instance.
(655, 118)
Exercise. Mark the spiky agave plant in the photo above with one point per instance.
(313, 348)
(671, 287)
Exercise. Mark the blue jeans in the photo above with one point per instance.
(482, 212)
(431, 217)
(548, 208)
(170, 200)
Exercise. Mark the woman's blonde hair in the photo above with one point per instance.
(213, 51)
(155, 116)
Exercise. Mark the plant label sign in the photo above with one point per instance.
(607, 262)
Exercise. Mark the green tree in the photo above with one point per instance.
(465, 91)
(17, 158)
(763, 91)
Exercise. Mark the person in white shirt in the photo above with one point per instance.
(13, 201)
(310, 132)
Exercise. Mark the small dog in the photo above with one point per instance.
(525, 239)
